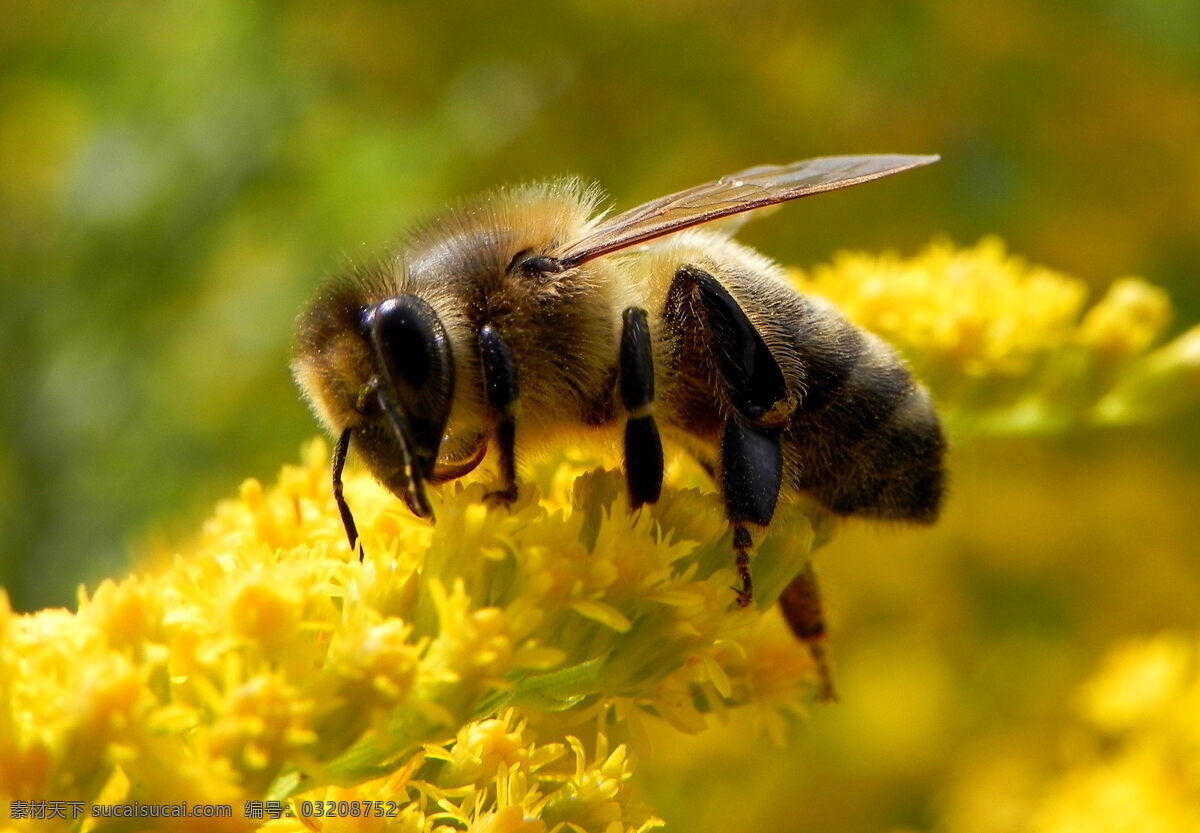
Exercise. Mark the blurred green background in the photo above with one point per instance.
(176, 177)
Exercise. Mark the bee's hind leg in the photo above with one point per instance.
(751, 474)
(751, 467)
(801, 605)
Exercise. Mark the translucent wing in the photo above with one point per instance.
(733, 194)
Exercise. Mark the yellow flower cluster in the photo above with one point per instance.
(268, 661)
(975, 311)
(491, 778)
(1008, 347)
(495, 671)
(1131, 762)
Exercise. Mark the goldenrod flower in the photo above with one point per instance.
(494, 672)
(973, 312)
(491, 778)
(1009, 347)
(268, 661)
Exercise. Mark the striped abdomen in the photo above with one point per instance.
(865, 439)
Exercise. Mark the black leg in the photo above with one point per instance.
(500, 384)
(339, 462)
(643, 446)
(506, 442)
(753, 379)
(751, 474)
(751, 471)
(801, 604)
(751, 466)
(742, 542)
(643, 461)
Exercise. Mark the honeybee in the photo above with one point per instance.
(526, 314)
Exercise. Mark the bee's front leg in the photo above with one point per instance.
(501, 388)
(339, 498)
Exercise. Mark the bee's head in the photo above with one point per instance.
(383, 372)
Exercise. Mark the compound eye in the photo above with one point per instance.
(414, 354)
(412, 340)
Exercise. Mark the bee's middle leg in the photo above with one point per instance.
(501, 387)
(643, 446)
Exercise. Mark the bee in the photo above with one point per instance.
(526, 315)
